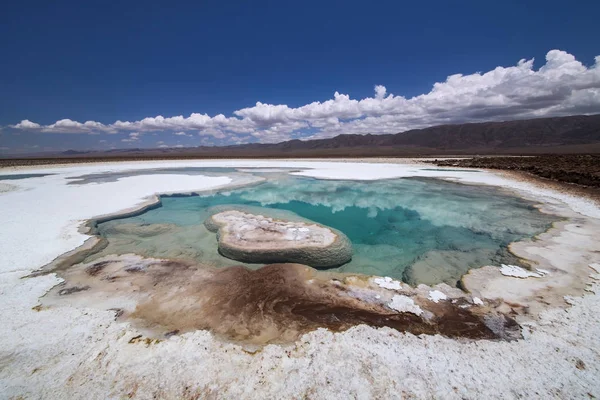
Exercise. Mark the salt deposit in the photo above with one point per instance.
(518, 272)
(436, 296)
(388, 283)
(403, 303)
(258, 239)
(477, 301)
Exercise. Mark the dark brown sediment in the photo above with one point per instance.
(582, 170)
(274, 304)
(96, 268)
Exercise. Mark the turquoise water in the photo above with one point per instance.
(21, 176)
(418, 230)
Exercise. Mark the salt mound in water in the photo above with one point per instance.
(256, 238)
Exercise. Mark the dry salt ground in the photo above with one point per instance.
(72, 352)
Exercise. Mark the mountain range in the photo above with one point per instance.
(573, 134)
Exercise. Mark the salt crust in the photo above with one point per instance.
(436, 296)
(82, 353)
(255, 238)
(388, 283)
(518, 272)
(403, 303)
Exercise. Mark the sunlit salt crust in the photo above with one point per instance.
(404, 304)
(258, 239)
(518, 272)
(388, 283)
(436, 296)
(72, 352)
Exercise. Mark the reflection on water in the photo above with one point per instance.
(418, 230)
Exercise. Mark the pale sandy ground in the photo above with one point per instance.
(71, 352)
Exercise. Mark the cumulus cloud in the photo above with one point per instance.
(66, 126)
(26, 124)
(562, 86)
(380, 91)
(133, 137)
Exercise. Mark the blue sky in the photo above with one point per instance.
(136, 61)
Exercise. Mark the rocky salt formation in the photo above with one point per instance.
(255, 238)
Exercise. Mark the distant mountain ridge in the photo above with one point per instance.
(559, 131)
(573, 134)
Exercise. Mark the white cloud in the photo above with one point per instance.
(26, 124)
(562, 86)
(380, 91)
(163, 146)
(69, 126)
(133, 137)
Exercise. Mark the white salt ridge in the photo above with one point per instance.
(477, 301)
(518, 272)
(436, 296)
(403, 303)
(388, 283)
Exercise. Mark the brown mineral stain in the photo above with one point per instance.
(277, 304)
(274, 304)
(96, 268)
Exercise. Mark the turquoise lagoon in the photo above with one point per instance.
(418, 230)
